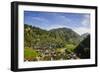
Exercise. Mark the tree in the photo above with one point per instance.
(83, 49)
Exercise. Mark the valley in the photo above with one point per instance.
(54, 44)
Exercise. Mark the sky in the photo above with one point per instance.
(80, 23)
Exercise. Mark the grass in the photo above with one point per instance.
(70, 47)
(30, 54)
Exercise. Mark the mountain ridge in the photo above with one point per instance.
(55, 37)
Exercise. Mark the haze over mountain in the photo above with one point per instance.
(83, 36)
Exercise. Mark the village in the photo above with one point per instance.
(53, 54)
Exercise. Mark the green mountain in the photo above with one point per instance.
(54, 44)
(56, 38)
(83, 49)
(67, 35)
(83, 36)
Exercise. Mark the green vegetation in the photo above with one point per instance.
(30, 54)
(83, 49)
(55, 38)
(55, 44)
(70, 47)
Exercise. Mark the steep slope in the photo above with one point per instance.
(67, 35)
(56, 38)
(83, 49)
(83, 36)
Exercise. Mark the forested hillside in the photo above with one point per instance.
(55, 38)
(52, 44)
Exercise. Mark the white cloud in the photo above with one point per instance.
(65, 22)
(86, 21)
(40, 19)
(85, 28)
(82, 30)
(55, 26)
